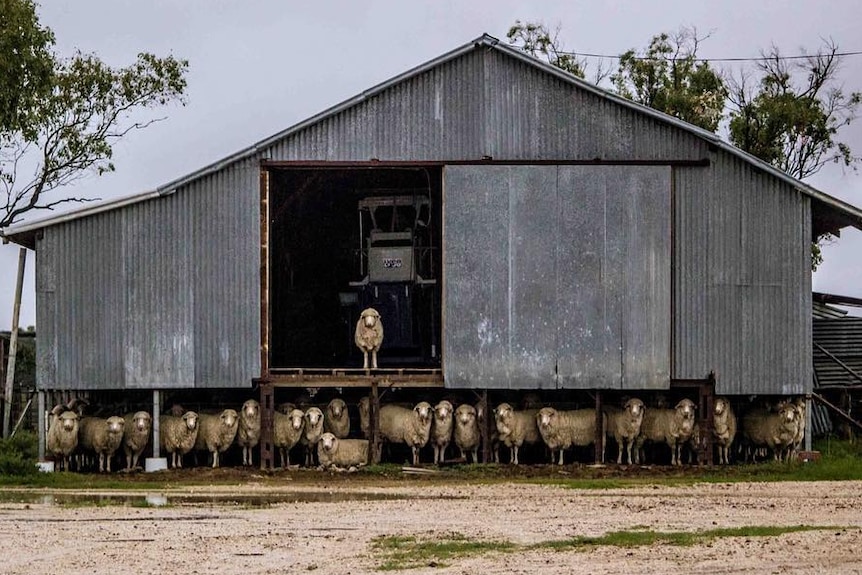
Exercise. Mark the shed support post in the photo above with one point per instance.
(42, 423)
(707, 415)
(485, 428)
(807, 438)
(267, 409)
(600, 431)
(13, 345)
(374, 423)
(157, 409)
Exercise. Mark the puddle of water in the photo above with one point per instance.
(162, 500)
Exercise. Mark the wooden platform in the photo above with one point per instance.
(353, 377)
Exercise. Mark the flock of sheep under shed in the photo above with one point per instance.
(322, 435)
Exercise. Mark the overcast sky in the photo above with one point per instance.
(257, 67)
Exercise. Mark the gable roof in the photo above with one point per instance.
(834, 212)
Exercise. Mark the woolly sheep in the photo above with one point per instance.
(177, 435)
(62, 437)
(466, 432)
(101, 436)
(671, 426)
(216, 433)
(286, 433)
(369, 335)
(776, 431)
(625, 426)
(333, 451)
(410, 426)
(441, 430)
(563, 429)
(248, 432)
(724, 428)
(314, 419)
(136, 435)
(516, 428)
(336, 419)
(285, 408)
(799, 405)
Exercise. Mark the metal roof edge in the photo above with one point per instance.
(98, 208)
(485, 40)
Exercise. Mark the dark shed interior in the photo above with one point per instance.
(345, 239)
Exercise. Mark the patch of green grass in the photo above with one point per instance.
(400, 552)
(643, 537)
(413, 553)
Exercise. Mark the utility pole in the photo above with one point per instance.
(13, 345)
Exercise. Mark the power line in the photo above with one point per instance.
(758, 59)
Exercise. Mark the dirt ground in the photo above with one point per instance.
(326, 527)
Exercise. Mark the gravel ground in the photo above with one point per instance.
(328, 530)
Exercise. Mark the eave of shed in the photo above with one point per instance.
(829, 214)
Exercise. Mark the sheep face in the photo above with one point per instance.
(329, 442)
(141, 421)
(635, 407)
(116, 425)
(297, 419)
(787, 412)
(546, 417)
(442, 411)
(191, 419)
(336, 407)
(228, 418)
(424, 411)
(69, 421)
(722, 406)
(370, 317)
(685, 409)
(250, 409)
(503, 416)
(313, 416)
(465, 415)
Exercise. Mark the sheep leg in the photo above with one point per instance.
(215, 458)
(561, 457)
(364, 360)
(415, 455)
(374, 359)
(514, 455)
(476, 455)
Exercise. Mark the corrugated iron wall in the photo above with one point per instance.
(742, 280)
(161, 294)
(165, 293)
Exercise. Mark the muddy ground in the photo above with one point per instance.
(305, 522)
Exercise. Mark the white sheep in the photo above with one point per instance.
(248, 432)
(409, 426)
(466, 432)
(625, 426)
(671, 426)
(369, 335)
(102, 437)
(441, 430)
(314, 419)
(516, 428)
(563, 429)
(136, 436)
(776, 431)
(794, 447)
(217, 433)
(336, 419)
(724, 428)
(286, 433)
(177, 435)
(333, 451)
(62, 439)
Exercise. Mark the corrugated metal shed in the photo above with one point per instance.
(842, 339)
(162, 290)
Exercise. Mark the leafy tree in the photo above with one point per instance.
(792, 117)
(668, 77)
(59, 117)
(536, 40)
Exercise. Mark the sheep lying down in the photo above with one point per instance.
(339, 453)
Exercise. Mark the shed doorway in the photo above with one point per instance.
(343, 239)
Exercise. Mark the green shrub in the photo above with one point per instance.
(19, 454)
